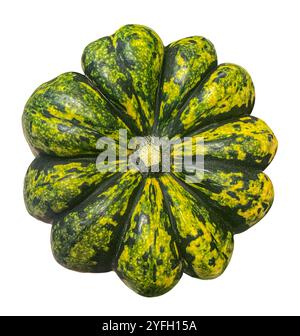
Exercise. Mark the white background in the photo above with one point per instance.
(41, 39)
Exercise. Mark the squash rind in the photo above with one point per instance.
(148, 228)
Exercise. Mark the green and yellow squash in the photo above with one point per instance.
(147, 227)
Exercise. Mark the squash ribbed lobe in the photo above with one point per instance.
(148, 228)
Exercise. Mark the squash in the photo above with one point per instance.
(149, 228)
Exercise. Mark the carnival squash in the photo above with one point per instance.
(147, 226)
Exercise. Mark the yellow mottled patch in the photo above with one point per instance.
(180, 60)
(263, 188)
(172, 90)
(201, 262)
(131, 107)
(193, 107)
(94, 236)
